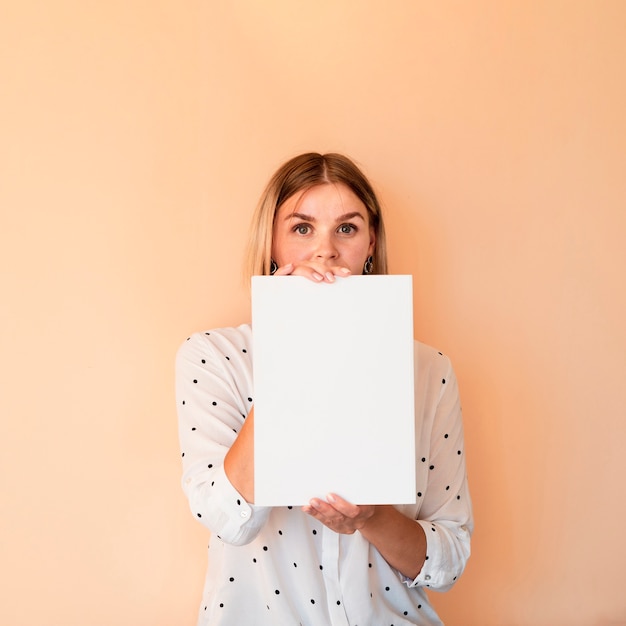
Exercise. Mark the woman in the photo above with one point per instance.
(330, 562)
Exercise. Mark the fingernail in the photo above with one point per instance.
(330, 277)
(345, 270)
(317, 276)
(330, 497)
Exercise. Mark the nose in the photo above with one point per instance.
(325, 249)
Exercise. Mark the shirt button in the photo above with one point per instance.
(427, 577)
(244, 514)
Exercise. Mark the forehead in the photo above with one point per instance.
(327, 198)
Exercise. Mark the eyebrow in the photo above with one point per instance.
(310, 218)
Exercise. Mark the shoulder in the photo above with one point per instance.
(224, 341)
(431, 364)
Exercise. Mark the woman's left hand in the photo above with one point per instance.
(339, 514)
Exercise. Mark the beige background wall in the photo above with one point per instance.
(135, 138)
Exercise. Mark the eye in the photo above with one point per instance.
(302, 229)
(347, 229)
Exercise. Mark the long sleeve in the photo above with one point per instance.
(214, 396)
(445, 506)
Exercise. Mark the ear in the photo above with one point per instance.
(370, 250)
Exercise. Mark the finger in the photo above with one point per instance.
(310, 272)
(343, 506)
(319, 272)
(324, 509)
(328, 516)
(331, 518)
(340, 270)
(285, 270)
(331, 272)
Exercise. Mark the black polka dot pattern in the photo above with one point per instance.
(286, 562)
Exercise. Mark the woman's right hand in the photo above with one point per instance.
(313, 270)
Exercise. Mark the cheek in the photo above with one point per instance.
(278, 244)
(283, 252)
(356, 256)
(368, 245)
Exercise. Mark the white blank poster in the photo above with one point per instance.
(333, 389)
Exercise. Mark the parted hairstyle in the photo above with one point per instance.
(300, 173)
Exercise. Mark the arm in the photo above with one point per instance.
(213, 397)
(239, 460)
(446, 511)
(400, 541)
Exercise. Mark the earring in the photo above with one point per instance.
(368, 268)
(273, 267)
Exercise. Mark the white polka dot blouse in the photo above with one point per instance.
(279, 566)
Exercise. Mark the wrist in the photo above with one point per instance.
(375, 520)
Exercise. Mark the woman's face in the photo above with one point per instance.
(326, 225)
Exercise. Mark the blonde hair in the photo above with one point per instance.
(299, 173)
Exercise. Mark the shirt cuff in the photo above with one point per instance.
(224, 510)
(435, 572)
